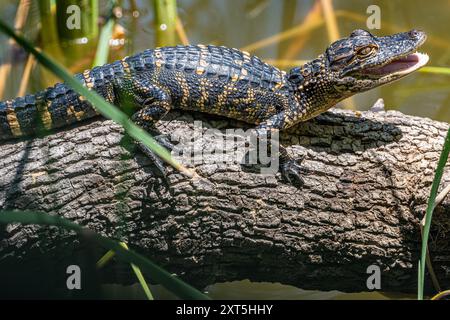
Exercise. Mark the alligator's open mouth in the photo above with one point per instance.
(400, 66)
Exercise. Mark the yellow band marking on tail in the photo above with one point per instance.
(79, 115)
(88, 79)
(13, 122)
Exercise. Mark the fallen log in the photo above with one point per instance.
(367, 180)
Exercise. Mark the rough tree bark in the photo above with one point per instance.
(367, 181)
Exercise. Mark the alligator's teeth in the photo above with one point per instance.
(400, 66)
(422, 59)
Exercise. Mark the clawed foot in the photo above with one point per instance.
(249, 164)
(291, 171)
(164, 141)
(159, 164)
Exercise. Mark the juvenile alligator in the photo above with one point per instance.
(223, 81)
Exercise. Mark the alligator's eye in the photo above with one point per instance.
(365, 52)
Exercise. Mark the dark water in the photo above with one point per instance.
(242, 23)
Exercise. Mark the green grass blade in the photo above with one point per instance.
(436, 70)
(140, 277)
(77, 36)
(105, 259)
(101, 56)
(48, 32)
(142, 282)
(88, 26)
(419, 283)
(105, 108)
(175, 285)
(165, 22)
(429, 213)
(49, 39)
(110, 254)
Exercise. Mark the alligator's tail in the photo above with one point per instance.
(52, 108)
(60, 105)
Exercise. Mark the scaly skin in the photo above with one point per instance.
(222, 81)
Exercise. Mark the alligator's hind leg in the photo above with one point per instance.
(154, 103)
(146, 118)
(149, 115)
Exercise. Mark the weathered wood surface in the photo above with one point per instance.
(367, 181)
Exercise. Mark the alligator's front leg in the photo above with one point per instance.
(290, 167)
